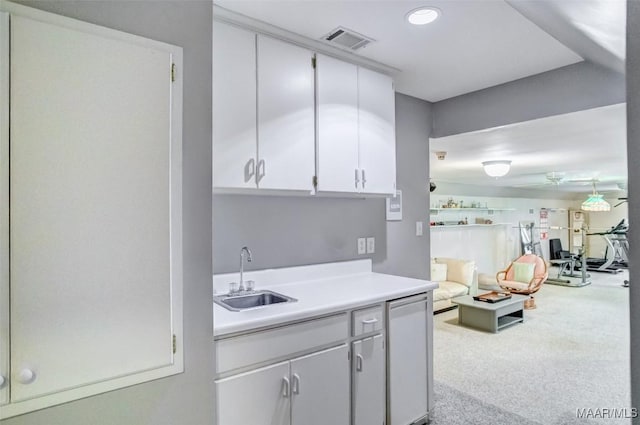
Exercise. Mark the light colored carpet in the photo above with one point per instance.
(572, 352)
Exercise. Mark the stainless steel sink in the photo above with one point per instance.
(250, 300)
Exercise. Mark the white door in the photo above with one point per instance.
(92, 254)
(369, 388)
(258, 397)
(377, 145)
(234, 107)
(286, 116)
(408, 359)
(320, 388)
(4, 208)
(337, 149)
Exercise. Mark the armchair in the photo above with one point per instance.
(525, 276)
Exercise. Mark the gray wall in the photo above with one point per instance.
(185, 399)
(633, 158)
(571, 88)
(291, 231)
(408, 254)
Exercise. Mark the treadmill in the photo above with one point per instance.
(617, 252)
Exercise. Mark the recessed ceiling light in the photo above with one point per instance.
(423, 15)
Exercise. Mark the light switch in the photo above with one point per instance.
(371, 245)
(418, 228)
(362, 246)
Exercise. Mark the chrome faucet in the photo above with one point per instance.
(242, 251)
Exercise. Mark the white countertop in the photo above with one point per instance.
(319, 289)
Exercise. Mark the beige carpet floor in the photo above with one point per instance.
(571, 353)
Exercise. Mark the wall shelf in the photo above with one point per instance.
(471, 209)
(468, 225)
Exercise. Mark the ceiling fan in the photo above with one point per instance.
(552, 178)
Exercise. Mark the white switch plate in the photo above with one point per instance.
(371, 245)
(418, 228)
(362, 246)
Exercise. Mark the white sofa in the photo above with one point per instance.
(456, 277)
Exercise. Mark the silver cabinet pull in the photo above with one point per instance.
(359, 361)
(371, 321)
(364, 180)
(261, 166)
(295, 387)
(249, 169)
(285, 387)
(357, 178)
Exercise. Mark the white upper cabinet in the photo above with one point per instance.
(356, 145)
(234, 107)
(95, 208)
(337, 150)
(263, 112)
(286, 116)
(376, 125)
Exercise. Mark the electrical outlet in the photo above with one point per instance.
(371, 245)
(362, 246)
(418, 228)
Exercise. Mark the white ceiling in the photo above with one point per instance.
(472, 46)
(478, 44)
(581, 145)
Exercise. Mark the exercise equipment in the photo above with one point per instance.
(616, 255)
(568, 264)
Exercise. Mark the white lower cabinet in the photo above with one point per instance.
(410, 371)
(258, 397)
(309, 390)
(368, 385)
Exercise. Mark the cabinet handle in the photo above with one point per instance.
(295, 386)
(261, 166)
(285, 387)
(371, 321)
(357, 178)
(249, 169)
(364, 180)
(26, 376)
(359, 361)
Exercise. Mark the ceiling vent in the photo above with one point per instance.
(347, 38)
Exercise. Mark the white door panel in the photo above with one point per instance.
(337, 97)
(320, 388)
(369, 388)
(408, 359)
(234, 107)
(377, 132)
(258, 397)
(286, 116)
(90, 207)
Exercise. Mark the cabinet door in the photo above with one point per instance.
(408, 360)
(337, 149)
(4, 208)
(377, 132)
(286, 116)
(258, 397)
(320, 388)
(95, 209)
(234, 107)
(369, 388)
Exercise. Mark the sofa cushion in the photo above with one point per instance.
(454, 289)
(438, 272)
(441, 294)
(460, 271)
(523, 272)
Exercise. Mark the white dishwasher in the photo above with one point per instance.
(410, 360)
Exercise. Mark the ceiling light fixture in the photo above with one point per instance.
(595, 202)
(423, 15)
(497, 168)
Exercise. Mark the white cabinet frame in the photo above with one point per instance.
(174, 186)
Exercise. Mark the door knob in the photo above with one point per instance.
(26, 376)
